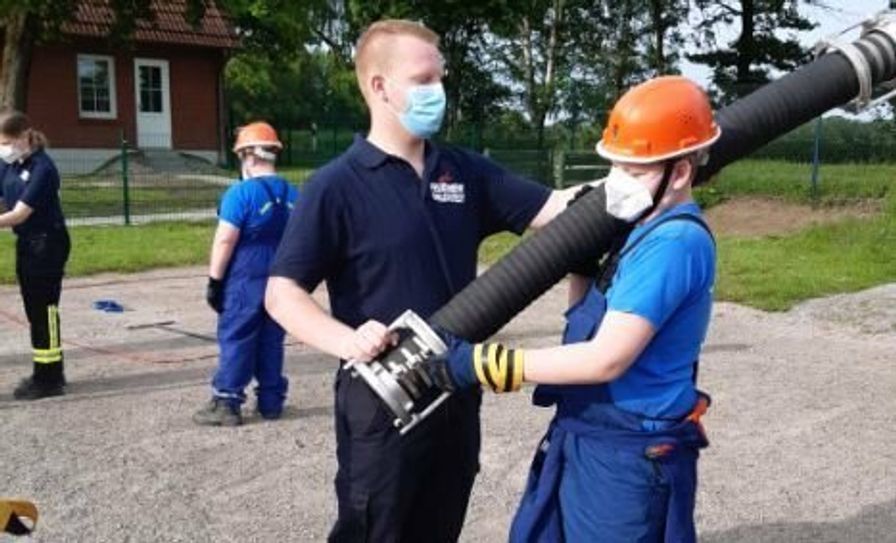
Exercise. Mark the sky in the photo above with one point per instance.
(830, 21)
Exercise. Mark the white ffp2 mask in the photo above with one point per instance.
(627, 198)
(9, 154)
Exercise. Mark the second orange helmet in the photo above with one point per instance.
(257, 134)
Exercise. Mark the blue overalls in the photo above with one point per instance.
(606, 474)
(251, 342)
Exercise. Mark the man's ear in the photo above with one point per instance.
(681, 173)
(377, 86)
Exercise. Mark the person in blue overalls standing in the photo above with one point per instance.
(619, 461)
(252, 217)
(29, 184)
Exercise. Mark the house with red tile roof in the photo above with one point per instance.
(163, 91)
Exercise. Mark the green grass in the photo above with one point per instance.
(494, 247)
(775, 273)
(295, 174)
(108, 201)
(87, 196)
(837, 183)
(97, 249)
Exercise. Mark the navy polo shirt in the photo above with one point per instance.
(34, 181)
(386, 241)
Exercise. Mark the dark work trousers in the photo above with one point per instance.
(393, 488)
(40, 260)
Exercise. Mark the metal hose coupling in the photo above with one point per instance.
(396, 376)
(871, 57)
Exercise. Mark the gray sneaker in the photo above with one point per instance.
(218, 412)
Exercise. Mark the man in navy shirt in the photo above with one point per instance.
(394, 224)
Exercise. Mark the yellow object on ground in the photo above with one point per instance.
(12, 511)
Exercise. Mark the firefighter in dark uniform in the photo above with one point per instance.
(394, 223)
(29, 185)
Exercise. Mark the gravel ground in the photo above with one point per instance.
(802, 425)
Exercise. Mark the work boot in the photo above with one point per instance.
(219, 412)
(31, 389)
(269, 415)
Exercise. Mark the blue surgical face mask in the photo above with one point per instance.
(424, 110)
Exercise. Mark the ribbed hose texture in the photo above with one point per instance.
(530, 269)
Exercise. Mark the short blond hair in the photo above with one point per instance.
(372, 46)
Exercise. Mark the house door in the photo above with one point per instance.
(153, 103)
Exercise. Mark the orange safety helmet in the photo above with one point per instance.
(659, 119)
(257, 134)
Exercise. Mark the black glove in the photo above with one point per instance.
(214, 294)
(588, 267)
(437, 368)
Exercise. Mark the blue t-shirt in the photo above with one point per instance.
(667, 279)
(246, 204)
(386, 241)
(34, 181)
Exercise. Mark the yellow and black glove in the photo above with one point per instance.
(465, 365)
(498, 367)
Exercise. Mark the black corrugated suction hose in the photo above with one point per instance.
(779, 107)
(531, 268)
(539, 262)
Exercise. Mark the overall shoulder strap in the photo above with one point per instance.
(678, 217)
(619, 250)
(267, 190)
(284, 196)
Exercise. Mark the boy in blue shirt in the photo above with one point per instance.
(618, 462)
(252, 217)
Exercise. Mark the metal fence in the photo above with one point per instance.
(134, 185)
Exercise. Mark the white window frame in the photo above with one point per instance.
(113, 102)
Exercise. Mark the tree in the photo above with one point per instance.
(666, 17)
(15, 26)
(305, 88)
(294, 64)
(568, 60)
(743, 65)
(531, 45)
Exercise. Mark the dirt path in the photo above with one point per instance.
(803, 446)
(763, 216)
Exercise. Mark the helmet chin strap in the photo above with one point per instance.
(668, 166)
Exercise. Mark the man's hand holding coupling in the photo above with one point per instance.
(465, 365)
(369, 340)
